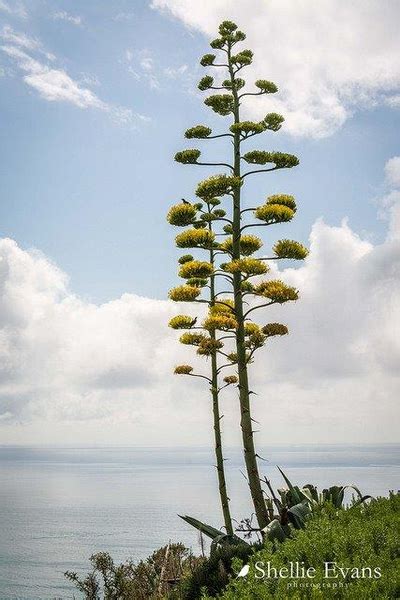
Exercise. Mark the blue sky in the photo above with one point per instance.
(95, 98)
(91, 193)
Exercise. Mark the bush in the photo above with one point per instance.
(213, 575)
(359, 537)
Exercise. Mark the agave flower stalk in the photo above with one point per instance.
(207, 345)
(238, 246)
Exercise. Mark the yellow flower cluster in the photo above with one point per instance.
(196, 268)
(272, 329)
(188, 157)
(184, 293)
(290, 249)
(192, 339)
(268, 87)
(183, 370)
(248, 244)
(224, 322)
(198, 131)
(195, 238)
(249, 266)
(220, 103)
(283, 199)
(182, 322)
(255, 340)
(230, 379)
(276, 290)
(181, 214)
(209, 346)
(274, 213)
(222, 306)
(250, 328)
(280, 159)
(217, 185)
(247, 127)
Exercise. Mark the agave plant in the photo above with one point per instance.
(296, 504)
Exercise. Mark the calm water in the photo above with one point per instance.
(59, 506)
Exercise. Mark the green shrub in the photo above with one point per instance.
(213, 575)
(361, 536)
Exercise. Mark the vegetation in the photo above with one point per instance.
(309, 544)
(150, 579)
(363, 540)
(229, 283)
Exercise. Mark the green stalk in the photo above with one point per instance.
(250, 455)
(217, 420)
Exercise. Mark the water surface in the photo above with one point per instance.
(60, 505)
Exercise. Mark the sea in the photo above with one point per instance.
(58, 506)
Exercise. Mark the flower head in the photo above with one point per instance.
(198, 131)
(250, 328)
(220, 103)
(283, 200)
(188, 157)
(230, 379)
(205, 82)
(222, 321)
(249, 266)
(196, 268)
(207, 60)
(276, 290)
(273, 121)
(243, 58)
(274, 213)
(248, 244)
(185, 258)
(184, 293)
(247, 127)
(209, 346)
(197, 282)
(181, 214)
(290, 249)
(222, 306)
(268, 87)
(217, 185)
(192, 339)
(183, 370)
(195, 238)
(272, 329)
(280, 159)
(255, 340)
(182, 322)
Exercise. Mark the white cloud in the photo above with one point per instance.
(174, 73)
(392, 171)
(329, 58)
(102, 373)
(123, 16)
(55, 85)
(142, 66)
(62, 15)
(17, 9)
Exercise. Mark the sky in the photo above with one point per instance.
(95, 97)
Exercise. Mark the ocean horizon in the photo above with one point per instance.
(61, 504)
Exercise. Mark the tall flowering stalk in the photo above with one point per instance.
(240, 271)
(200, 275)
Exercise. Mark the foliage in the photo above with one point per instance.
(149, 579)
(363, 536)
